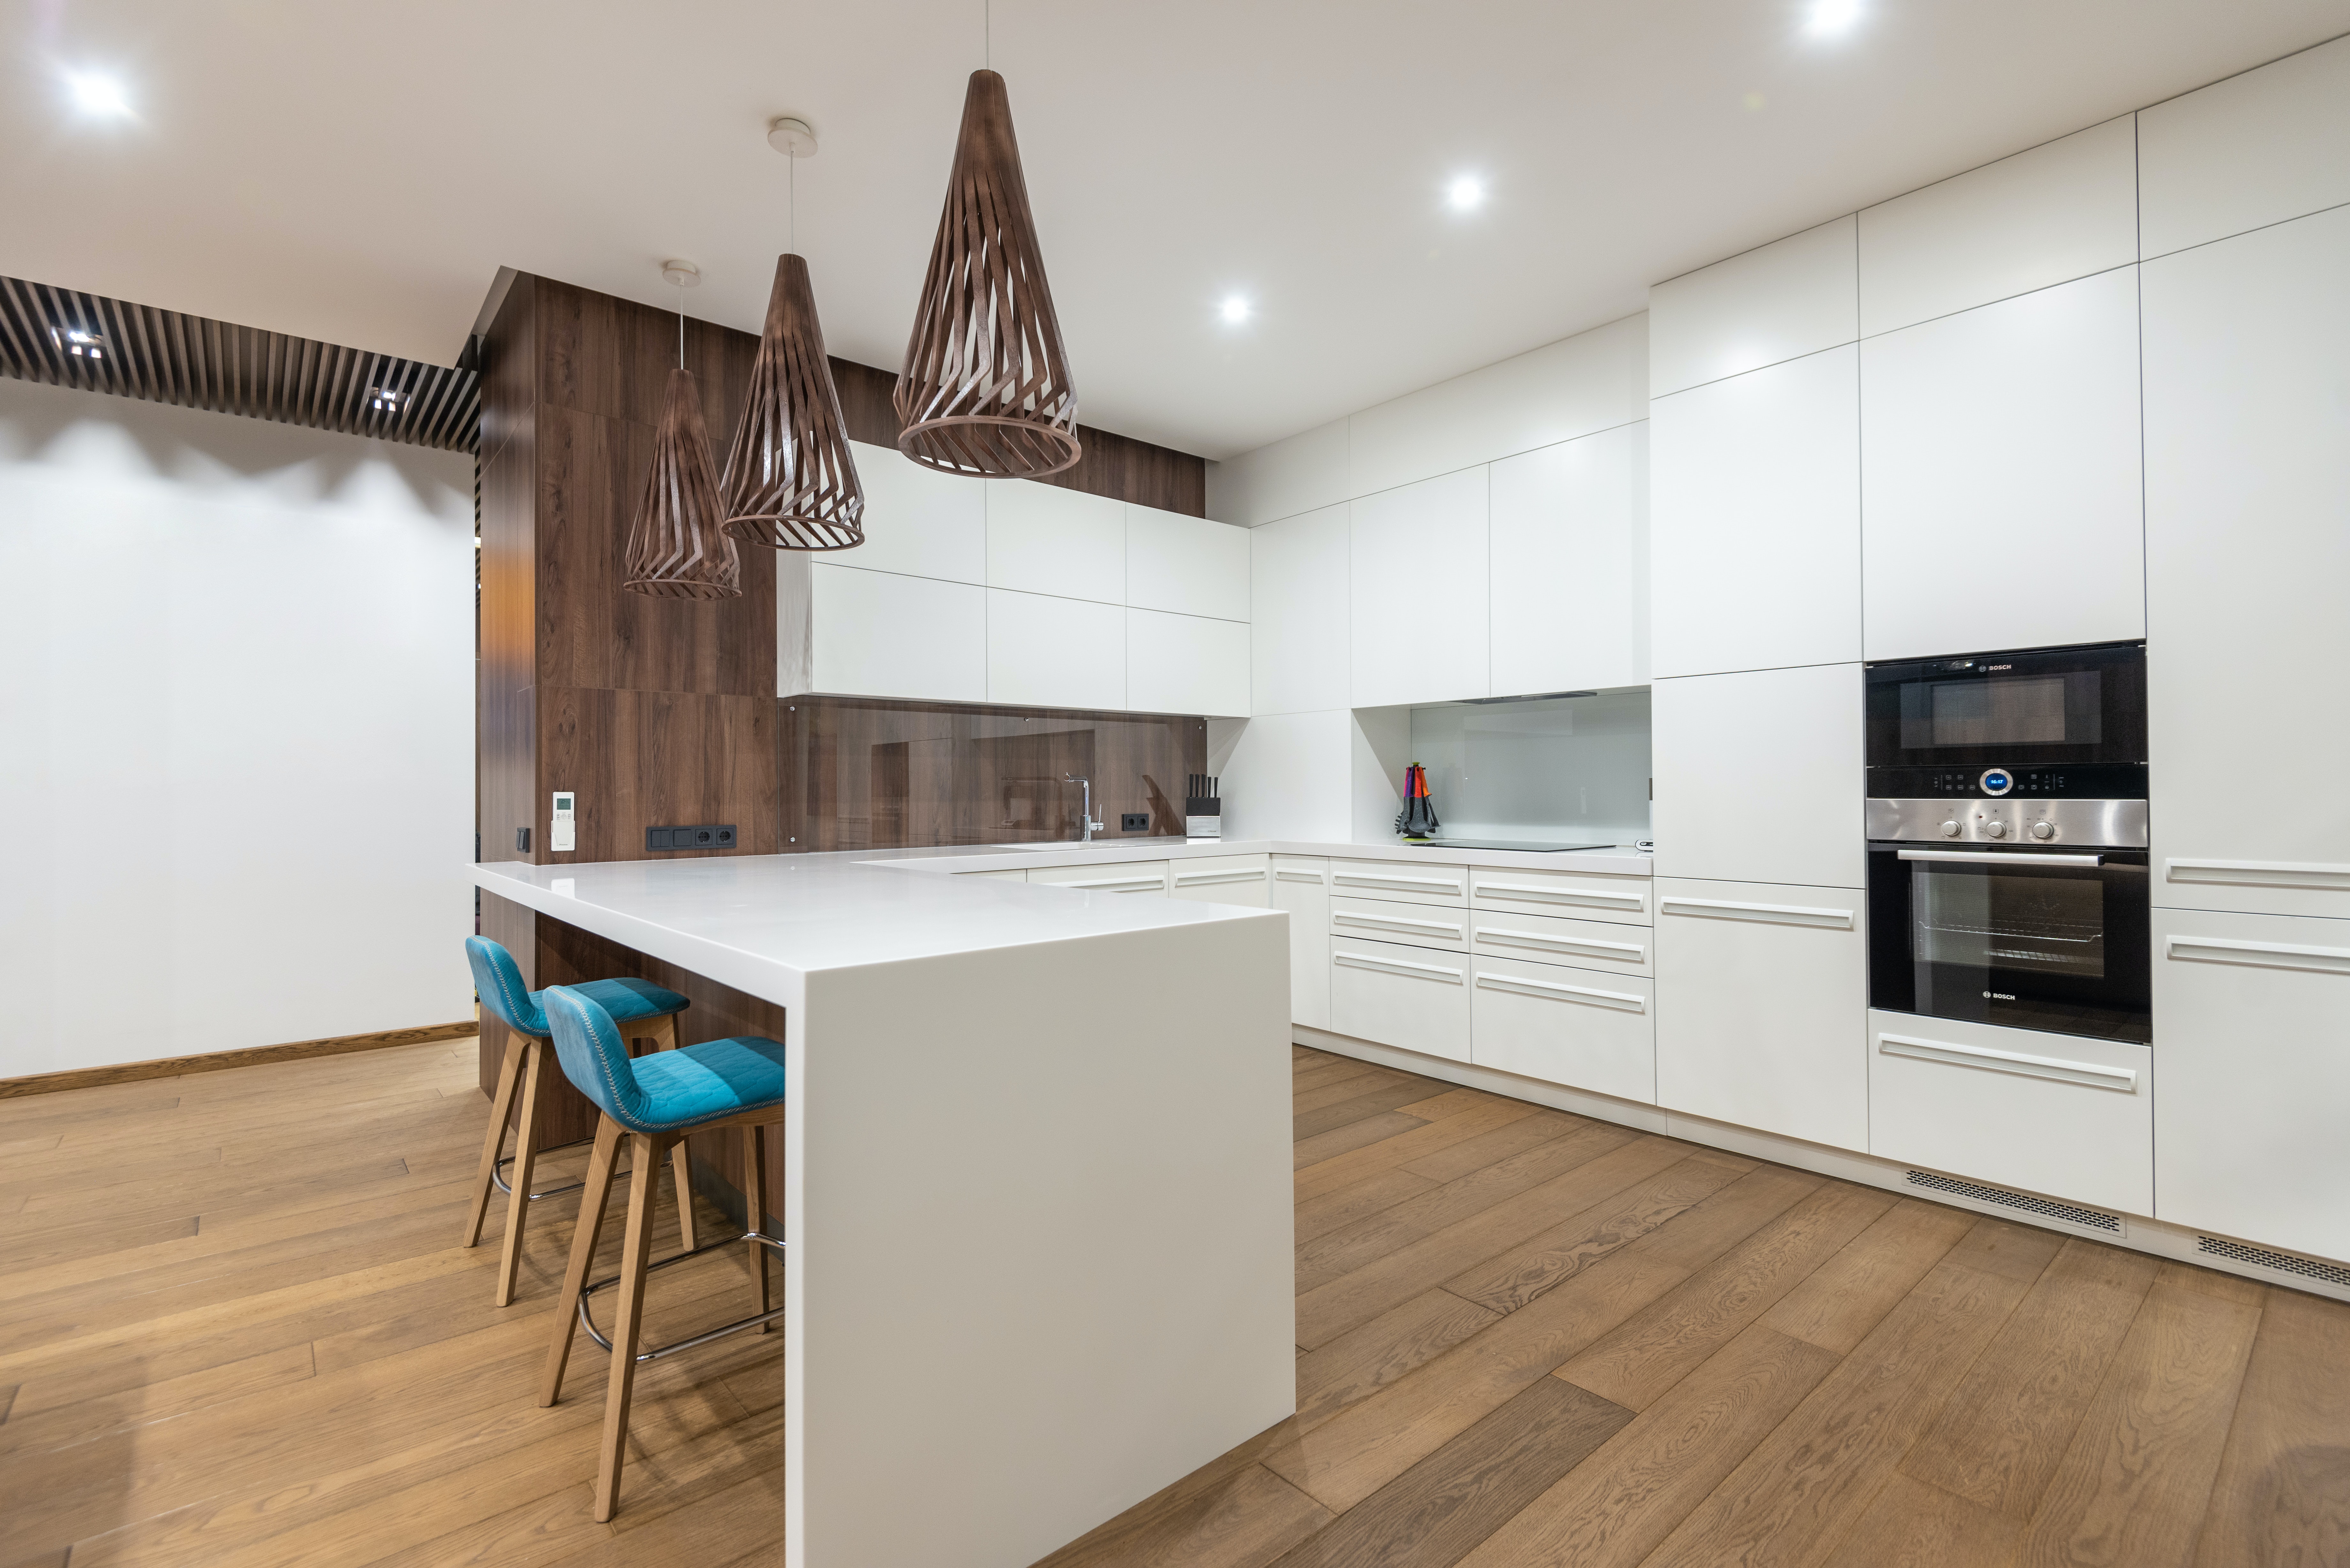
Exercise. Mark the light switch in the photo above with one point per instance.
(559, 832)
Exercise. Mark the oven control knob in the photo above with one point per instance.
(2043, 830)
(1950, 830)
(1996, 828)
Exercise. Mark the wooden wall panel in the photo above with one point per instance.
(642, 759)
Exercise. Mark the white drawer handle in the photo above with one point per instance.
(1782, 914)
(1564, 895)
(1187, 879)
(1623, 1001)
(2123, 1080)
(1365, 879)
(1286, 875)
(2266, 955)
(1119, 882)
(1397, 966)
(1397, 923)
(1631, 952)
(2259, 873)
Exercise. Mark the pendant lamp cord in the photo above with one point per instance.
(680, 327)
(987, 34)
(792, 206)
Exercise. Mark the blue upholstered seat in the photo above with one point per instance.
(672, 1091)
(497, 980)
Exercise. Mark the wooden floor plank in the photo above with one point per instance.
(2282, 1496)
(1836, 1307)
(1245, 1522)
(1912, 1525)
(1327, 1147)
(1489, 1148)
(1372, 1195)
(1364, 1360)
(1329, 1175)
(1307, 1124)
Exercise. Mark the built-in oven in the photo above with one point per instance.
(2007, 827)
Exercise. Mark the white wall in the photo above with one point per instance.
(236, 687)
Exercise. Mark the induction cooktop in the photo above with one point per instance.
(1526, 845)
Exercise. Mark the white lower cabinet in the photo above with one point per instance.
(1116, 876)
(2061, 1114)
(1546, 939)
(1423, 925)
(1571, 1026)
(1587, 894)
(1415, 998)
(1413, 882)
(2252, 1020)
(1223, 880)
(1763, 993)
(1301, 884)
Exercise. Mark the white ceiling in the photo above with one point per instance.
(358, 173)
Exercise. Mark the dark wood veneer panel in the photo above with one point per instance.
(647, 759)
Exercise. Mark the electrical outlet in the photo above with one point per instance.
(709, 836)
(1134, 822)
(522, 840)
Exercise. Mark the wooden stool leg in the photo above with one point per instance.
(501, 1107)
(755, 1207)
(598, 1193)
(627, 1328)
(661, 1034)
(526, 1165)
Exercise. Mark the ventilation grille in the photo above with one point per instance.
(2066, 1213)
(2283, 1262)
(66, 339)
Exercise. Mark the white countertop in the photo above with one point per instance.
(1621, 860)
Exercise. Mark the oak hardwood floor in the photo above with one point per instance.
(234, 1331)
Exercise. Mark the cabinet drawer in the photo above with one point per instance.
(1224, 880)
(2062, 1115)
(1415, 998)
(1547, 939)
(1573, 1026)
(1412, 883)
(1378, 920)
(1301, 871)
(1582, 895)
(1117, 877)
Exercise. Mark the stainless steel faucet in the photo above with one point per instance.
(1085, 822)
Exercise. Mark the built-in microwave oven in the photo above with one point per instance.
(2007, 827)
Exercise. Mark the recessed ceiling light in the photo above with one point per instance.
(1235, 308)
(1466, 193)
(1833, 15)
(94, 93)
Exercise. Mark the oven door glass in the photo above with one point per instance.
(1994, 938)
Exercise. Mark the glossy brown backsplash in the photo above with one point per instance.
(862, 774)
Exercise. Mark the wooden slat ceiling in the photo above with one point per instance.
(67, 338)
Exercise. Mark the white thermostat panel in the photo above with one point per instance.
(559, 835)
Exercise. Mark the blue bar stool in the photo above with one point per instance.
(497, 980)
(654, 1101)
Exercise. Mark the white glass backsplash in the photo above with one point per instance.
(1562, 768)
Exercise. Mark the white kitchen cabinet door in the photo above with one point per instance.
(1299, 661)
(1384, 920)
(1585, 895)
(1112, 877)
(917, 521)
(1570, 590)
(2248, 554)
(1400, 881)
(2060, 210)
(1547, 939)
(1186, 664)
(2059, 1114)
(2261, 148)
(1048, 652)
(877, 634)
(1301, 884)
(1564, 1025)
(1757, 776)
(1043, 539)
(1223, 880)
(1416, 998)
(1188, 565)
(1754, 519)
(2251, 1017)
(1780, 301)
(2000, 463)
(1761, 997)
(1419, 615)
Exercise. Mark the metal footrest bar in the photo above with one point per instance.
(498, 1171)
(587, 1322)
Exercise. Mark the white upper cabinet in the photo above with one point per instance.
(1758, 777)
(1569, 546)
(1300, 662)
(1188, 565)
(2058, 212)
(1420, 616)
(1302, 473)
(2000, 464)
(1186, 664)
(2256, 149)
(1043, 539)
(1754, 519)
(2248, 554)
(918, 521)
(1792, 297)
(1049, 652)
(881, 634)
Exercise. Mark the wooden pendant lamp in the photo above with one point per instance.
(678, 547)
(791, 484)
(985, 389)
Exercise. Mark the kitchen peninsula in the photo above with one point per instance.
(1032, 1106)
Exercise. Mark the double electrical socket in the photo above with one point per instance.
(709, 836)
